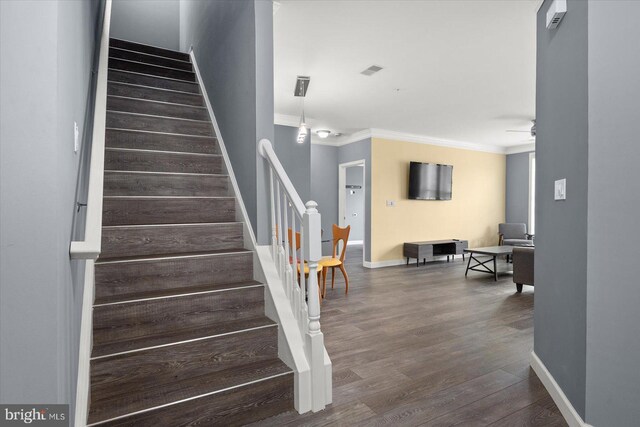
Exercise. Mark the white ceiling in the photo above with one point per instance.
(453, 70)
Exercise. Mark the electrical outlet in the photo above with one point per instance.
(391, 203)
(76, 137)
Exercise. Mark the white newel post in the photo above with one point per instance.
(314, 339)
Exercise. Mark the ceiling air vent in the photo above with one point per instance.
(371, 70)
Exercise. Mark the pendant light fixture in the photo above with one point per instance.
(302, 84)
(302, 130)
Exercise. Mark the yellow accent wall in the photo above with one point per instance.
(473, 214)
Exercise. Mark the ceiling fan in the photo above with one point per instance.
(532, 132)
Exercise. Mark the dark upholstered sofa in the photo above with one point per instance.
(522, 266)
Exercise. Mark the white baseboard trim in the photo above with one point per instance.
(355, 242)
(567, 410)
(394, 262)
(388, 263)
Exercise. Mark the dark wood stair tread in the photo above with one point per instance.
(154, 396)
(143, 48)
(154, 93)
(179, 335)
(144, 240)
(160, 293)
(154, 70)
(133, 210)
(140, 319)
(135, 159)
(134, 275)
(161, 141)
(145, 379)
(147, 183)
(148, 58)
(157, 108)
(156, 123)
(172, 255)
(138, 78)
(236, 407)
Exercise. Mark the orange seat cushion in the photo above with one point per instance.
(329, 262)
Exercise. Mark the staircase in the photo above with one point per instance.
(179, 331)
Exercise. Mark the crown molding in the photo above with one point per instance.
(428, 140)
(524, 148)
(355, 137)
(294, 121)
(316, 140)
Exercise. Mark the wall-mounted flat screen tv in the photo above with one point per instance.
(430, 181)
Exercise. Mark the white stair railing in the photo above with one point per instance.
(293, 225)
(89, 248)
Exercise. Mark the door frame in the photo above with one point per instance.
(342, 194)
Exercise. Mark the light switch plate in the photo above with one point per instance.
(560, 190)
(391, 203)
(76, 137)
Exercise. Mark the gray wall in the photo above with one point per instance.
(357, 151)
(613, 294)
(295, 158)
(354, 209)
(324, 188)
(152, 22)
(233, 44)
(561, 226)
(517, 194)
(45, 81)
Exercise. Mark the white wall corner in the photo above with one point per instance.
(287, 120)
(567, 410)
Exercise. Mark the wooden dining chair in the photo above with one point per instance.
(297, 246)
(333, 262)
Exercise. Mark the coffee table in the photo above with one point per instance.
(481, 266)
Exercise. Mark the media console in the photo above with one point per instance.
(427, 251)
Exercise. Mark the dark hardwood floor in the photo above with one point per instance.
(425, 346)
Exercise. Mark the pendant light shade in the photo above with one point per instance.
(302, 130)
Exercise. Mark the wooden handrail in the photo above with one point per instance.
(266, 150)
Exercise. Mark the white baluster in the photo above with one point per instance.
(278, 259)
(303, 281)
(274, 230)
(285, 234)
(314, 338)
(297, 269)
